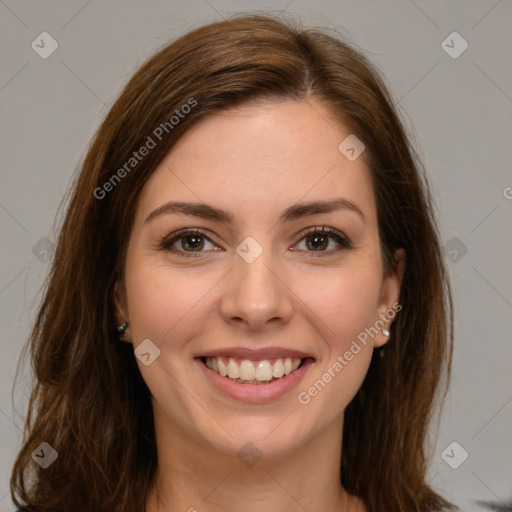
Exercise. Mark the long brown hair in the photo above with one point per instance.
(89, 401)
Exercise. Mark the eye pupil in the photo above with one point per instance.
(197, 242)
(318, 241)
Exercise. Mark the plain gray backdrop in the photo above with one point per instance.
(456, 103)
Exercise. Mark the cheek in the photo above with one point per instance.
(159, 298)
(345, 302)
(345, 308)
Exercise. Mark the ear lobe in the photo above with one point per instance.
(119, 299)
(390, 295)
(121, 313)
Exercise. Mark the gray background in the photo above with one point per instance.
(459, 109)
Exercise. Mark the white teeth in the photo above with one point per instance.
(233, 372)
(249, 371)
(222, 367)
(263, 371)
(278, 369)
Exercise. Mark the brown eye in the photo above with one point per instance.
(192, 242)
(317, 241)
(187, 243)
(321, 239)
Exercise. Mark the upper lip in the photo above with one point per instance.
(255, 354)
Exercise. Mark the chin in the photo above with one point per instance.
(268, 437)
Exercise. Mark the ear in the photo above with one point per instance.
(389, 296)
(121, 310)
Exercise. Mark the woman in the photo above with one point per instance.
(248, 307)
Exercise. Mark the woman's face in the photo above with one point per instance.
(225, 273)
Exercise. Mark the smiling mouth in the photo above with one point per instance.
(246, 371)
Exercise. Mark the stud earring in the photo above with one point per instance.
(121, 329)
(385, 331)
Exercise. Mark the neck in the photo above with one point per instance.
(194, 476)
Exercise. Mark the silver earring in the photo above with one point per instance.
(385, 331)
(121, 329)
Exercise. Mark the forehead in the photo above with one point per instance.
(263, 156)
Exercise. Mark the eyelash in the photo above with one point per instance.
(343, 241)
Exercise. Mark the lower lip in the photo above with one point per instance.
(255, 393)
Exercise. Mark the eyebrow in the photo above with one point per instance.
(294, 212)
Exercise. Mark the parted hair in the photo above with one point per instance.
(88, 399)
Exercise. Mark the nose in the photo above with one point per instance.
(256, 294)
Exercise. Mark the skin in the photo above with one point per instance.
(255, 161)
